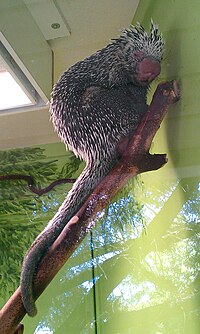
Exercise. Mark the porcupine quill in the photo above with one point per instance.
(96, 103)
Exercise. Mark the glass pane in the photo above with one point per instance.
(12, 95)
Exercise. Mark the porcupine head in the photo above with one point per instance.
(134, 58)
(143, 52)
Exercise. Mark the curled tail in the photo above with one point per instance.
(81, 189)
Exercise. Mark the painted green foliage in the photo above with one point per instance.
(23, 213)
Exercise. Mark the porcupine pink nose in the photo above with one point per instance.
(147, 70)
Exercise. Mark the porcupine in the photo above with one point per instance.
(95, 105)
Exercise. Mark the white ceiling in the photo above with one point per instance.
(92, 23)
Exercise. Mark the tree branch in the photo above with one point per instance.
(30, 181)
(136, 159)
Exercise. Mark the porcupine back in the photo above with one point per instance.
(93, 105)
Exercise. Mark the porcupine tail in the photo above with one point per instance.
(80, 191)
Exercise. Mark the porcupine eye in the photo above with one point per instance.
(138, 55)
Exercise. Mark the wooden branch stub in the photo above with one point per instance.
(19, 329)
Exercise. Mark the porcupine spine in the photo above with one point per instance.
(88, 131)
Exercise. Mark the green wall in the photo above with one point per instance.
(152, 286)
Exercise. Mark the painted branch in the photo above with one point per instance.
(136, 159)
(30, 181)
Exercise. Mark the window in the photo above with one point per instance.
(12, 94)
(16, 89)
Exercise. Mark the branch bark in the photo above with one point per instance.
(136, 159)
